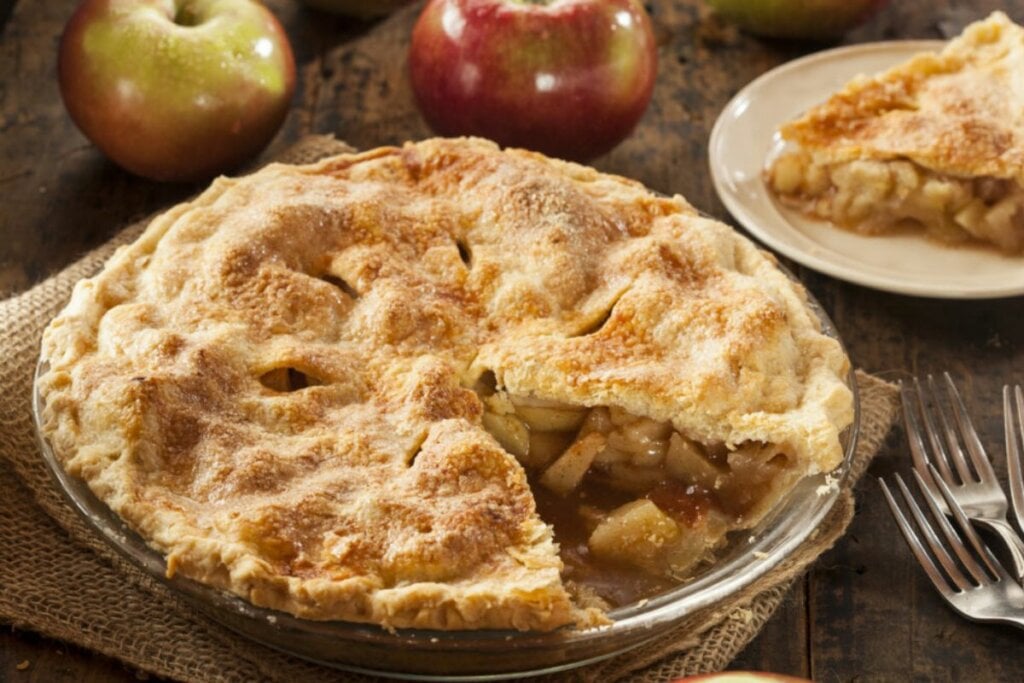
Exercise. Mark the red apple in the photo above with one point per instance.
(569, 78)
(176, 89)
(802, 19)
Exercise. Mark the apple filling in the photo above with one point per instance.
(872, 196)
(636, 505)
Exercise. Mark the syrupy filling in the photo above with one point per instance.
(872, 196)
(636, 505)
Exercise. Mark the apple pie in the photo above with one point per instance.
(935, 143)
(440, 386)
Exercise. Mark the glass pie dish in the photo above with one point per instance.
(482, 654)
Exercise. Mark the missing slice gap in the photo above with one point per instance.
(634, 502)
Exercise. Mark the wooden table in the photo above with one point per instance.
(865, 611)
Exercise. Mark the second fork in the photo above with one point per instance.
(975, 486)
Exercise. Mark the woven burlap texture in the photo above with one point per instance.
(58, 578)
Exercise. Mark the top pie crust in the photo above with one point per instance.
(936, 142)
(392, 281)
(959, 111)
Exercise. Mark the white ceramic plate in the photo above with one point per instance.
(745, 135)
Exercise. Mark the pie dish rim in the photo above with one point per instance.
(767, 545)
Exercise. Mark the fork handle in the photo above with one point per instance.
(1013, 543)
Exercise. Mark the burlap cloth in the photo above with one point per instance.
(58, 578)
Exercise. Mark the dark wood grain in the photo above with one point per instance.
(784, 646)
(865, 611)
(28, 658)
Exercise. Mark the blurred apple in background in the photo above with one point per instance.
(176, 89)
(800, 19)
(569, 78)
(363, 9)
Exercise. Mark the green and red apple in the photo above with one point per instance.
(570, 78)
(799, 19)
(176, 90)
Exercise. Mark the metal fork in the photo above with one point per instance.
(1014, 439)
(978, 492)
(990, 594)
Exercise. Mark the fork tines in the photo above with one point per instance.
(932, 552)
(1014, 445)
(946, 446)
(957, 562)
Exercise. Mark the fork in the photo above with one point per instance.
(978, 492)
(990, 594)
(1014, 438)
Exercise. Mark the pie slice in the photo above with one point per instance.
(440, 386)
(936, 142)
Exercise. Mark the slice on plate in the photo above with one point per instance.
(936, 142)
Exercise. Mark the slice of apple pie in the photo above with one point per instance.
(440, 386)
(936, 142)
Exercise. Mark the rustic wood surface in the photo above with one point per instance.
(865, 612)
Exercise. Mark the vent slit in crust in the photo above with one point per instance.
(595, 326)
(416, 450)
(341, 284)
(465, 254)
(288, 379)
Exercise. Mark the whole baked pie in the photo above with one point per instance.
(441, 386)
(936, 142)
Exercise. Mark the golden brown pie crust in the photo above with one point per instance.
(958, 111)
(383, 284)
(937, 141)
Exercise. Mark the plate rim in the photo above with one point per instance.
(750, 219)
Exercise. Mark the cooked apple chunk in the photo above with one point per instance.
(568, 471)
(510, 432)
(644, 494)
(548, 416)
(634, 534)
(642, 535)
(874, 196)
(686, 461)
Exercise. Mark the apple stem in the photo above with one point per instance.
(187, 16)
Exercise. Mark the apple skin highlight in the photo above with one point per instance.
(176, 94)
(570, 78)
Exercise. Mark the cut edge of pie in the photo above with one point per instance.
(309, 386)
(935, 143)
